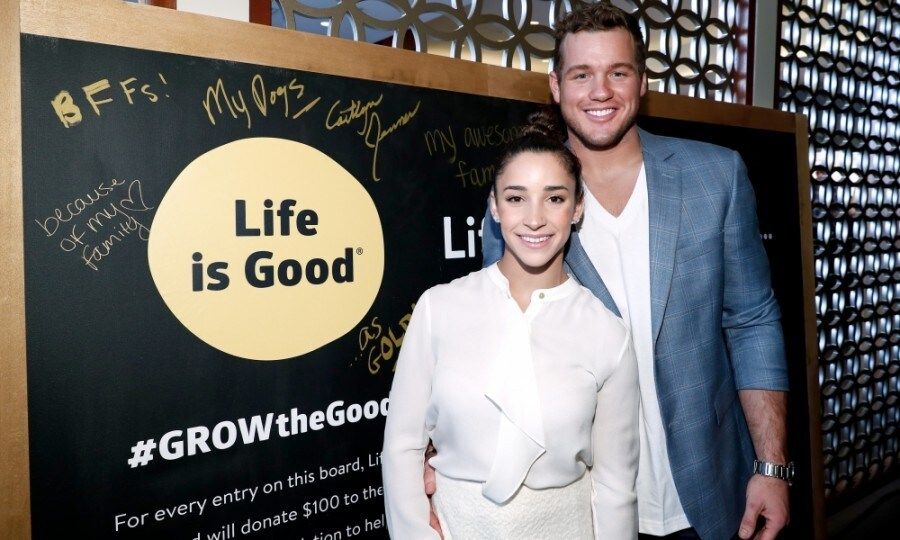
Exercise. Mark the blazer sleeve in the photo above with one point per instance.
(615, 448)
(751, 319)
(491, 240)
(405, 434)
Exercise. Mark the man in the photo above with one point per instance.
(670, 242)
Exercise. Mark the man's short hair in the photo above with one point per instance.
(599, 17)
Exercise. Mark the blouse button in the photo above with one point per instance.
(541, 296)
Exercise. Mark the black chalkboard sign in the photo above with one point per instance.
(148, 419)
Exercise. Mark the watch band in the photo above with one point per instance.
(775, 470)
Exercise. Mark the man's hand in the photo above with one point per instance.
(766, 498)
(430, 486)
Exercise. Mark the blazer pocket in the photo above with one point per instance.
(725, 396)
(693, 251)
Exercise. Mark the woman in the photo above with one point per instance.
(522, 379)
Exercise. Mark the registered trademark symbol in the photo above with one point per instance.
(359, 251)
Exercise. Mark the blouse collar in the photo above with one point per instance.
(562, 290)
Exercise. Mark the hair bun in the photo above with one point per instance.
(545, 122)
(542, 134)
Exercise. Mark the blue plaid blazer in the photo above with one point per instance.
(716, 324)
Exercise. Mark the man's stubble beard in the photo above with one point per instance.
(603, 143)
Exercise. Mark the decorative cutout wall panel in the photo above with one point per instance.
(697, 47)
(839, 63)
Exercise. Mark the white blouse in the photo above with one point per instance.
(511, 398)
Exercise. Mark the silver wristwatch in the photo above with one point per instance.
(775, 470)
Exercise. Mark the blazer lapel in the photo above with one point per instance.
(664, 201)
(583, 269)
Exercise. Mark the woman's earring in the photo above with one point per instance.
(496, 218)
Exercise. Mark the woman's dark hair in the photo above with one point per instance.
(543, 133)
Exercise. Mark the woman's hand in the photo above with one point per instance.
(430, 486)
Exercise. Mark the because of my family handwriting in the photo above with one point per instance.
(114, 210)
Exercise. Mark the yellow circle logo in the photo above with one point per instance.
(267, 249)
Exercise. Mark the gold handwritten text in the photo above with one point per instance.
(371, 129)
(377, 344)
(287, 99)
(374, 134)
(355, 110)
(102, 92)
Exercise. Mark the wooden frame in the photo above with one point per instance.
(15, 517)
(814, 391)
(145, 27)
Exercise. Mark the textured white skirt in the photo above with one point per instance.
(532, 514)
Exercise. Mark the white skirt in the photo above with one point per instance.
(532, 514)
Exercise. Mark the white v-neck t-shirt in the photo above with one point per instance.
(619, 248)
